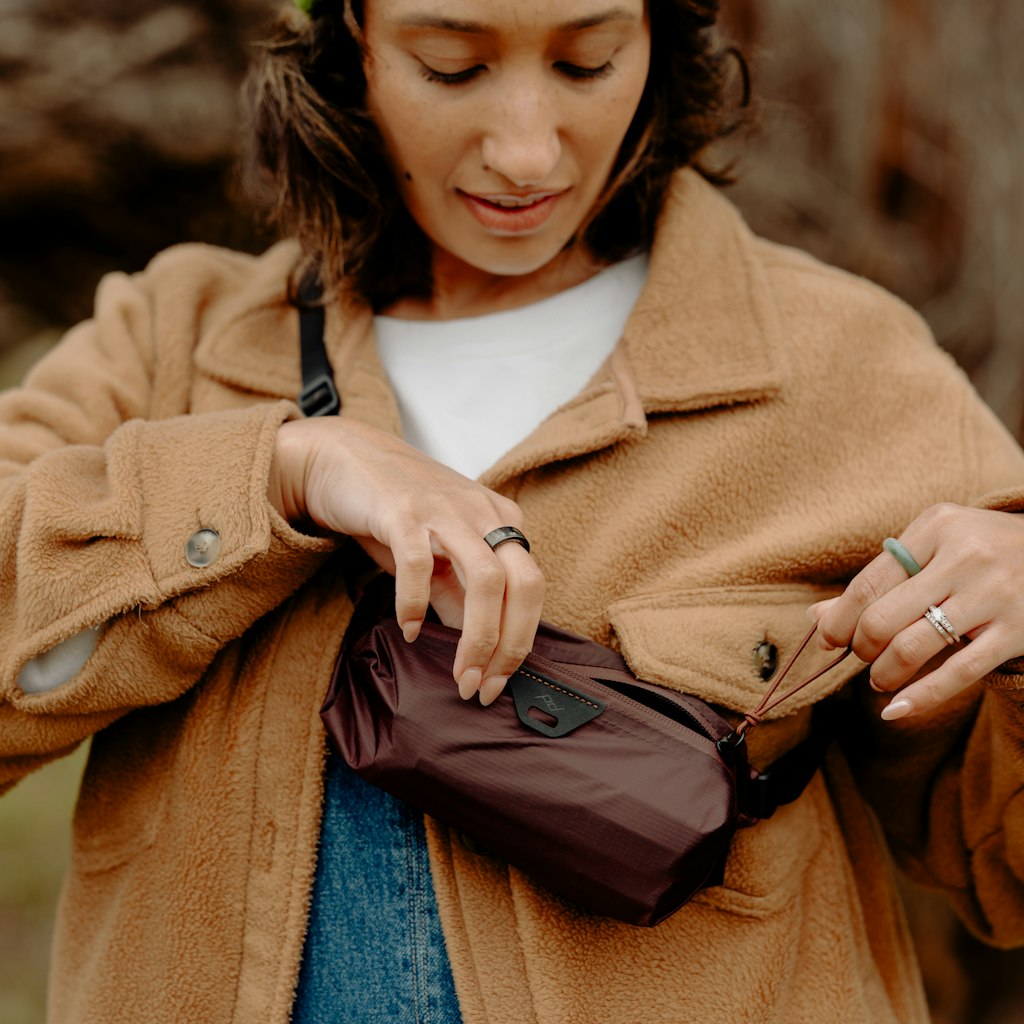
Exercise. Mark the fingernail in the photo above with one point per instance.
(490, 689)
(897, 709)
(824, 645)
(411, 630)
(469, 683)
(874, 686)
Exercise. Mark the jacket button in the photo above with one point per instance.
(766, 659)
(203, 548)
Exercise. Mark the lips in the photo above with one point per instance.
(509, 214)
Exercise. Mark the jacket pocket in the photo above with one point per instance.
(768, 863)
(124, 790)
(705, 642)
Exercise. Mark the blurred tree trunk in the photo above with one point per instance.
(118, 133)
(890, 144)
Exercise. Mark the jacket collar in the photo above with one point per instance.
(703, 333)
(705, 330)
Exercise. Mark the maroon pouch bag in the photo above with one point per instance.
(618, 794)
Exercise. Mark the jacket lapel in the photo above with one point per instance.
(704, 333)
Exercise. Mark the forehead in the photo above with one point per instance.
(491, 16)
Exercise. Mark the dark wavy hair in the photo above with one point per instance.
(319, 165)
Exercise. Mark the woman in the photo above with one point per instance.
(525, 276)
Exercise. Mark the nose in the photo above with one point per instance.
(522, 141)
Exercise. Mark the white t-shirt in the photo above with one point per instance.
(470, 390)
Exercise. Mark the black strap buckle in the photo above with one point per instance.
(319, 397)
(761, 799)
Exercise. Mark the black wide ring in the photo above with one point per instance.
(506, 533)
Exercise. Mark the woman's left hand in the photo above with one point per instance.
(972, 568)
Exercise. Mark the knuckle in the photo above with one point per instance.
(873, 627)
(942, 514)
(510, 655)
(906, 653)
(488, 575)
(968, 666)
(865, 589)
(418, 564)
(832, 635)
(531, 583)
(400, 519)
(510, 511)
(480, 646)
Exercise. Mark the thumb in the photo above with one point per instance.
(818, 609)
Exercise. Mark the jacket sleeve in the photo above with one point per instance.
(98, 499)
(948, 787)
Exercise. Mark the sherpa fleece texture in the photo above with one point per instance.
(763, 425)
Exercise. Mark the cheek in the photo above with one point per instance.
(606, 130)
(606, 126)
(417, 143)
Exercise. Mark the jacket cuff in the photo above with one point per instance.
(1009, 678)
(220, 496)
(115, 537)
(1006, 500)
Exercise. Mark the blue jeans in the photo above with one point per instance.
(374, 947)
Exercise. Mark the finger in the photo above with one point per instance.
(838, 623)
(816, 610)
(524, 598)
(814, 614)
(955, 675)
(483, 577)
(414, 566)
(908, 652)
(896, 611)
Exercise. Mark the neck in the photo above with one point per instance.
(460, 290)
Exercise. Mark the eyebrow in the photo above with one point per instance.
(475, 28)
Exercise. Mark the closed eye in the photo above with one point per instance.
(450, 78)
(583, 73)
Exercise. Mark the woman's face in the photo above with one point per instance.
(503, 118)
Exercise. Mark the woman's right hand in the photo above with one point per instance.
(424, 523)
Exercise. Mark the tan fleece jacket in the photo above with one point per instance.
(764, 423)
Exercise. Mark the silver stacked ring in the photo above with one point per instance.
(937, 617)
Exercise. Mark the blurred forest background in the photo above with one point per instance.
(889, 141)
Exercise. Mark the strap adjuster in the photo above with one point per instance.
(762, 799)
(319, 397)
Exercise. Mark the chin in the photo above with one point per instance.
(518, 261)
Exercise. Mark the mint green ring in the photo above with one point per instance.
(902, 555)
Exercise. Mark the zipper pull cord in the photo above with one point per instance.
(752, 718)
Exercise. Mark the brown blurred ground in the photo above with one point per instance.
(890, 143)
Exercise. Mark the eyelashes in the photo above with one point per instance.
(456, 78)
(573, 71)
(585, 74)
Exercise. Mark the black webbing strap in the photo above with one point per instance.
(319, 396)
(786, 778)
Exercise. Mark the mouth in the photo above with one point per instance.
(510, 214)
(513, 202)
